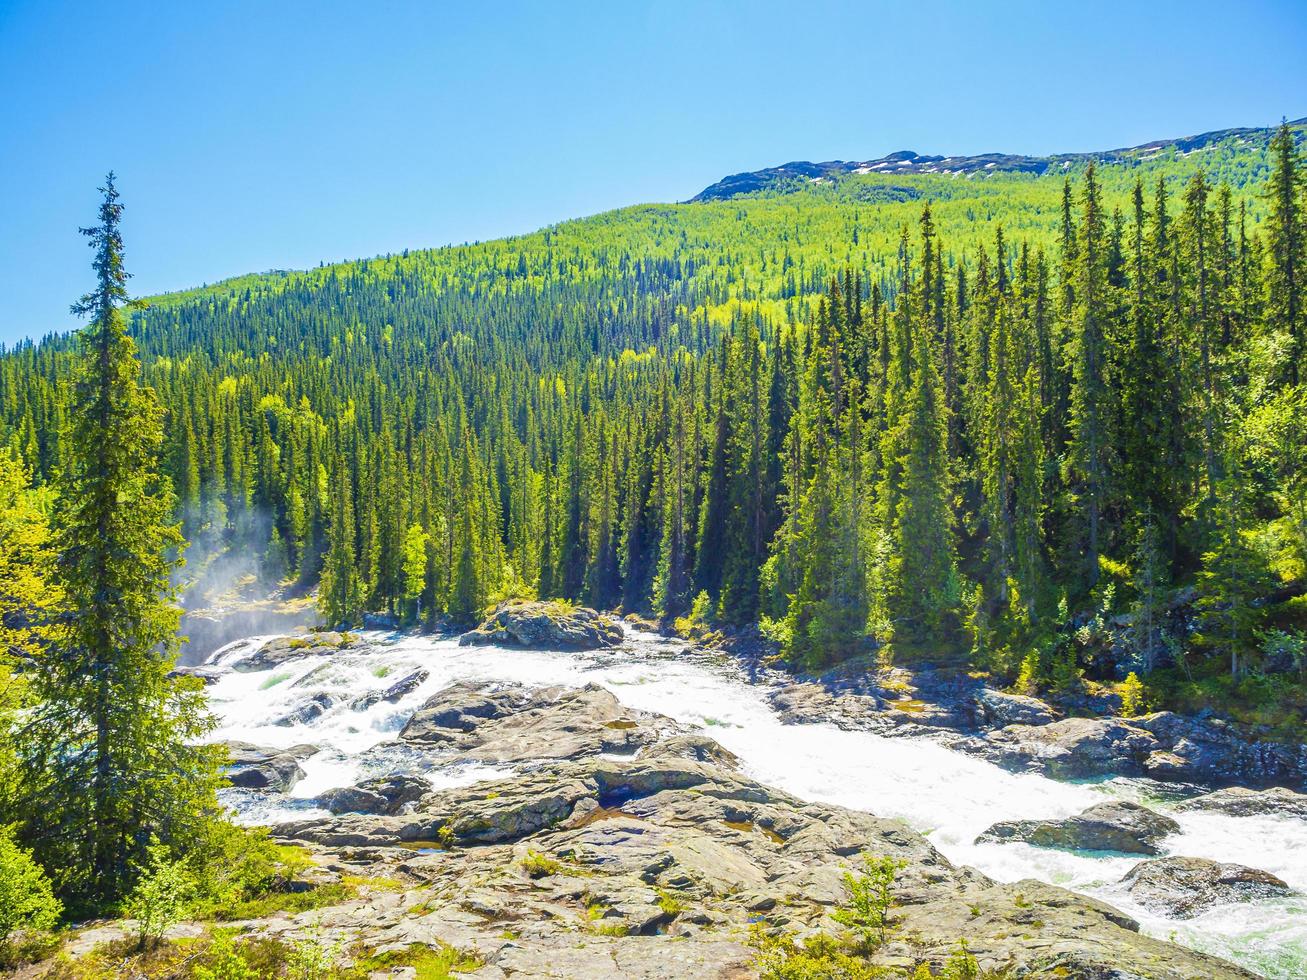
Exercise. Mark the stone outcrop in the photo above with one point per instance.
(1073, 748)
(1182, 887)
(404, 686)
(546, 626)
(272, 770)
(1237, 801)
(655, 867)
(507, 724)
(285, 649)
(385, 794)
(312, 707)
(1116, 826)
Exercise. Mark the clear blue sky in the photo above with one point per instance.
(250, 136)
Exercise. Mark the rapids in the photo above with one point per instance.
(947, 796)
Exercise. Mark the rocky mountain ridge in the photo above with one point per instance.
(802, 172)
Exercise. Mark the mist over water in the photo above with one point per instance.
(949, 797)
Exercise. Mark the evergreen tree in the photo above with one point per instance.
(110, 755)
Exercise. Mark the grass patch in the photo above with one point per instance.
(287, 901)
(537, 865)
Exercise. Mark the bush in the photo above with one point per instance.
(1132, 696)
(537, 865)
(27, 902)
(870, 900)
(236, 865)
(162, 896)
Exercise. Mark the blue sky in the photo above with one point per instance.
(250, 136)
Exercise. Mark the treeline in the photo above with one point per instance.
(949, 447)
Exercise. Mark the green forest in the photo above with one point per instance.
(911, 415)
(1044, 426)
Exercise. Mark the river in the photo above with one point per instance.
(943, 794)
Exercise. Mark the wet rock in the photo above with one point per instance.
(1238, 801)
(491, 723)
(284, 649)
(1073, 748)
(308, 710)
(380, 621)
(206, 675)
(274, 770)
(1183, 887)
(383, 795)
(546, 625)
(1117, 826)
(404, 686)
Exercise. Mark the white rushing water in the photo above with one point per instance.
(949, 797)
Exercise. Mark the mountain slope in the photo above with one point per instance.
(792, 175)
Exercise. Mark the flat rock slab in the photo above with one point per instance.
(285, 649)
(1119, 826)
(508, 724)
(1183, 887)
(654, 866)
(1240, 802)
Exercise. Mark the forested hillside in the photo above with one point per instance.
(998, 416)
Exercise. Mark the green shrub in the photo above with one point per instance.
(870, 901)
(1132, 696)
(238, 868)
(27, 902)
(537, 865)
(161, 897)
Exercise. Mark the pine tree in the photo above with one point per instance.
(110, 753)
(1287, 247)
(1089, 395)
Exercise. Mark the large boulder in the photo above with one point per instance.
(308, 710)
(492, 723)
(285, 649)
(1215, 751)
(384, 794)
(546, 625)
(1238, 801)
(1116, 826)
(1074, 748)
(272, 770)
(1182, 887)
(1000, 709)
(395, 692)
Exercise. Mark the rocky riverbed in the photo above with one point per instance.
(630, 811)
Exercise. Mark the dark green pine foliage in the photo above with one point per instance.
(743, 399)
(110, 759)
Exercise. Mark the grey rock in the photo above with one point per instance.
(546, 625)
(274, 770)
(207, 675)
(492, 723)
(308, 710)
(395, 692)
(1070, 749)
(1183, 887)
(1116, 826)
(1238, 801)
(384, 794)
(285, 649)
(1214, 751)
(999, 708)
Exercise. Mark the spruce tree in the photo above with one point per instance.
(110, 754)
